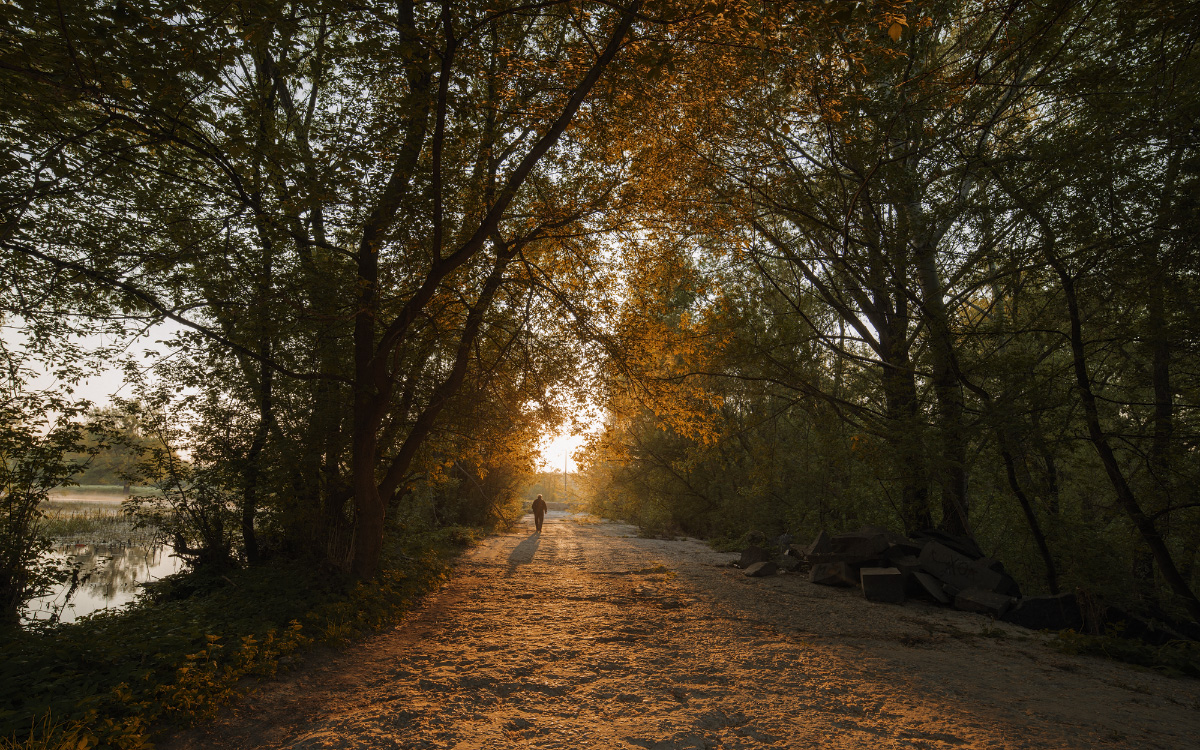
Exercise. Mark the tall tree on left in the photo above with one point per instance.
(326, 197)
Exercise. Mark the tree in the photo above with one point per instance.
(1110, 234)
(285, 176)
(920, 194)
(37, 434)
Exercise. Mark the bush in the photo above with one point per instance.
(1174, 658)
(36, 435)
(186, 647)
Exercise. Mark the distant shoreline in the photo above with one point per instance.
(98, 493)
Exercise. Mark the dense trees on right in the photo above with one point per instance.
(936, 267)
(820, 264)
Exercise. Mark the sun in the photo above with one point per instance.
(556, 450)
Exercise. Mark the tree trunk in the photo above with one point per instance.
(373, 383)
(900, 396)
(253, 457)
(1035, 528)
(368, 504)
(369, 403)
(952, 468)
(1143, 523)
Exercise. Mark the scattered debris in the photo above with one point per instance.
(935, 566)
(983, 601)
(833, 574)
(762, 569)
(864, 545)
(791, 563)
(883, 584)
(751, 556)
(931, 587)
(957, 570)
(819, 546)
(943, 569)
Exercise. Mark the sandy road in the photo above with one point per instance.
(588, 637)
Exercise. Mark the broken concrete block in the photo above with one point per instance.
(983, 601)
(882, 584)
(958, 570)
(790, 564)
(835, 557)
(906, 564)
(927, 585)
(864, 546)
(960, 544)
(833, 574)
(992, 564)
(819, 546)
(1008, 585)
(1047, 613)
(762, 569)
(752, 555)
(903, 548)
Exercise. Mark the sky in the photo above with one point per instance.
(104, 383)
(555, 449)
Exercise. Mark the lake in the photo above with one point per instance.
(111, 576)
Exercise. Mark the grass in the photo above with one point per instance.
(1175, 658)
(727, 544)
(85, 522)
(105, 489)
(740, 543)
(111, 679)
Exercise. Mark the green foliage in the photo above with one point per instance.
(922, 291)
(1175, 658)
(363, 240)
(184, 650)
(49, 734)
(550, 485)
(37, 432)
(86, 521)
(117, 445)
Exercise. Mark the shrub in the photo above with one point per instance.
(187, 646)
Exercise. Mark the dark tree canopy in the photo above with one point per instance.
(818, 264)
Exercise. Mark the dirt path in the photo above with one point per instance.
(588, 637)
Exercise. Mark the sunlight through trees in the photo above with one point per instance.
(816, 264)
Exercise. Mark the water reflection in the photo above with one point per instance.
(108, 576)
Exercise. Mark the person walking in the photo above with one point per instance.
(539, 512)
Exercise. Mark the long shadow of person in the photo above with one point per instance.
(523, 553)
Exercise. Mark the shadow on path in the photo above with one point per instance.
(523, 553)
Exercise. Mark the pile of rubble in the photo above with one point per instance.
(938, 567)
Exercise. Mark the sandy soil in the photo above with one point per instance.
(589, 637)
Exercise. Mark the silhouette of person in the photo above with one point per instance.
(539, 512)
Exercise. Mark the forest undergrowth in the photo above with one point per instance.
(195, 641)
